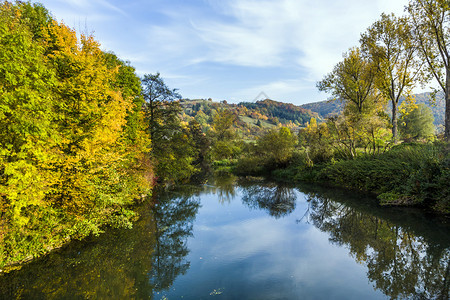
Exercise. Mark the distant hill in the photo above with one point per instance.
(253, 117)
(437, 107)
(325, 108)
(284, 112)
(333, 107)
(256, 117)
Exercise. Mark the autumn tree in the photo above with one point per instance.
(352, 80)
(388, 43)
(68, 163)
(430, 21)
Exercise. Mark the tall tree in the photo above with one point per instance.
(156, 94)
(172, 145)
(388, 43)
(352, 80)
(431, 28)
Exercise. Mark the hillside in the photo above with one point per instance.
(325, 108)
(253, 117)
(256, 117)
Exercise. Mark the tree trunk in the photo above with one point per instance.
(447, 106)
(394, 122)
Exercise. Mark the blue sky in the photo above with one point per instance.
(229, 49)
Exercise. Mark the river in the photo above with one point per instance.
(240, 239)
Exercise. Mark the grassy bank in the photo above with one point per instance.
(408, 174)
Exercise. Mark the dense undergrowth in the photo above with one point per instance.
(408, 174)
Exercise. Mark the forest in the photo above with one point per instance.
(84, 139)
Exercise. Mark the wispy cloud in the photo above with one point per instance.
(311, 34)
(293, 42)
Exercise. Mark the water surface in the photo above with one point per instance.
(235, 239)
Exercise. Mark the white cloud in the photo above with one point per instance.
(312, 34)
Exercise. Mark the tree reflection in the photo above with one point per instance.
(118, 264)
(174, 215)
(225, 187)
(400, 264)
(114, 265)
(277, 199)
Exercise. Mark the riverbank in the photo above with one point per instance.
(21, 247)
(406, 175)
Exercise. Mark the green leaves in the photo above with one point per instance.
(66, 160)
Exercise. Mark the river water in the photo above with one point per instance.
(239, 239)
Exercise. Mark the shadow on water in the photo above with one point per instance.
(406, 252)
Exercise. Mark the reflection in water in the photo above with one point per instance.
(174, 214)
(277, 199)
(98, 268)
(406, 253)
(399, 263)
(119, 264)
(224, 187)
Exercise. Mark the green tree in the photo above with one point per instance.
(157, 96)
(225, 143)
(26, 133)
(431, 28)
(172, 146)
(418, 124)
(278, 145)
(130, 86)
(388, 42)
(351, 81)
(201, 144)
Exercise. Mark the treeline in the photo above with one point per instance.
(73, 141)
(253, 119)
(280, 112)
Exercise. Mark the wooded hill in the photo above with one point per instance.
(254, 117)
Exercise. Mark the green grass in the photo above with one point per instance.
(252, 122)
